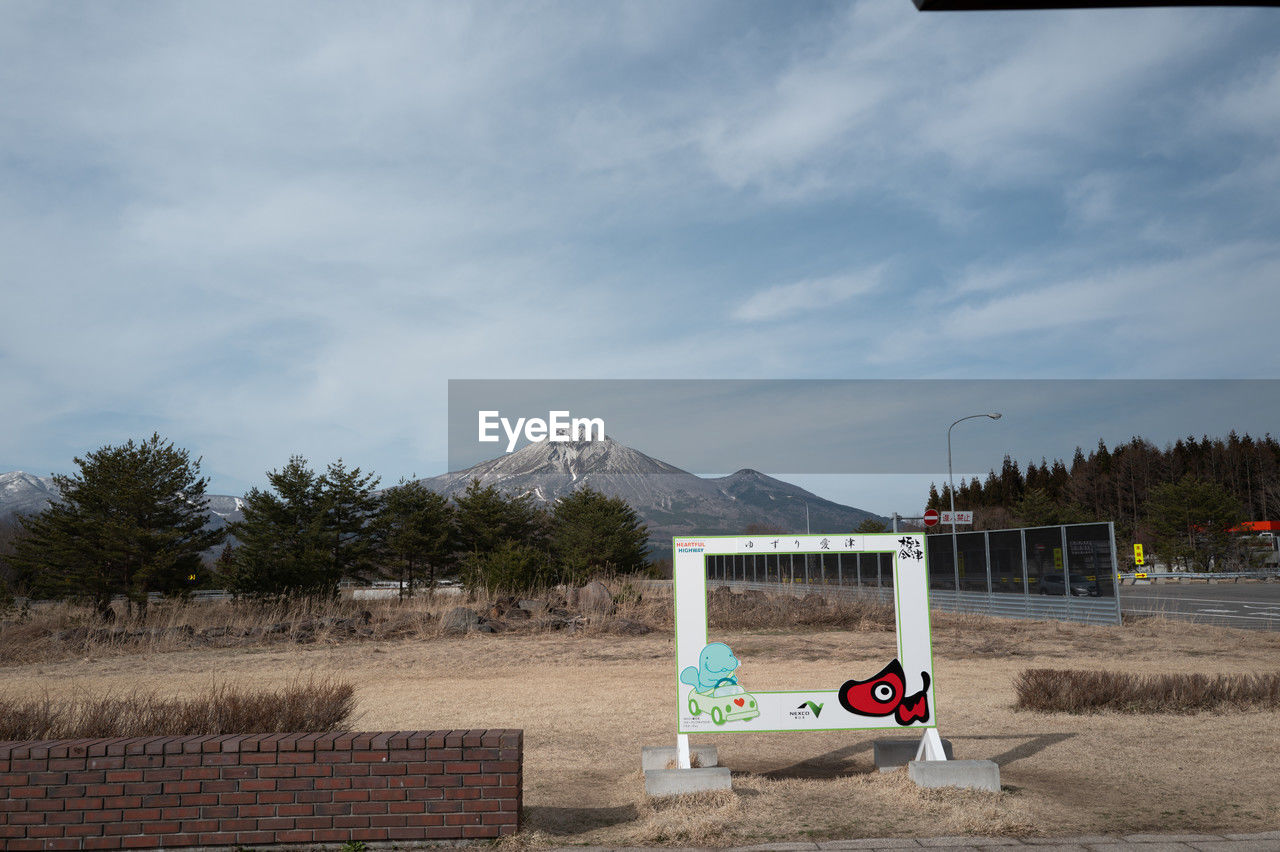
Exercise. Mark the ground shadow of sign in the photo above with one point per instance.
(849, 761)
(838, 763)
(1031, 744)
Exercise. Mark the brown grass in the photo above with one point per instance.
(57, 631)
(695, 818)
(54, 631)
(312, 707)
(757, 610)
(589, 701)
(1075, 691)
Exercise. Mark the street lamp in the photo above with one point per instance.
(955, 550)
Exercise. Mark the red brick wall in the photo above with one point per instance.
(259, 789)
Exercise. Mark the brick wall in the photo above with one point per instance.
(259, 789)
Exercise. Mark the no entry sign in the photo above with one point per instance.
(930, 517)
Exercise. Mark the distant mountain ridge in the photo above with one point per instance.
(24, 494)
(670, 500)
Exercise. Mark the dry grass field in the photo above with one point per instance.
(590, 700)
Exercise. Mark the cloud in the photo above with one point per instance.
(282, 228)
(786, 300)
(1137, 320)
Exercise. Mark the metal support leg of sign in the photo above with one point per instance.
(930, 746)
(682, 751)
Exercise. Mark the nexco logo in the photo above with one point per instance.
(559, 426)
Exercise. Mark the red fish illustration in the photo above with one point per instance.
(885, 694)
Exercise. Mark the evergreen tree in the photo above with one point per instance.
(284, 548)
(131, 522)
(415, 532)
(591, 532)
(1191, 520)
(510, 568)
(1115, 484)
(1059, 479)
(1011, 483)
(10, 531)
(485, 517)
(348, 505)
(307, 533)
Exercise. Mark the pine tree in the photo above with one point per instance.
(283, 547)
(415, 532)
(591, 533)
(1191, 520)
(131, 522)
(485, 517)
(348, 505)
(307, 533)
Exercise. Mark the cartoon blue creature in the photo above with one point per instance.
(716, 689)
(716, 664)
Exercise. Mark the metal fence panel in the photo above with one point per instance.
(1064, 573)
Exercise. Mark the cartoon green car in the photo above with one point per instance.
(729, 703)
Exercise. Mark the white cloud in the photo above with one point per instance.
(262, 225)
(1147, 320)
(784, 301)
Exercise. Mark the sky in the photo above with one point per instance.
(273, 229)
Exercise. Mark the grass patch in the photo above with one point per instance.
(1077, 691)
(693, 818)
(759, 610)
(312, 707)
(49, 631)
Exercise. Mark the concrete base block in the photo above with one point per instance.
(675, 782)
(896, 753)
(973, 774)
(660, 757)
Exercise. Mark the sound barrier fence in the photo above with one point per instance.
(1064, 572)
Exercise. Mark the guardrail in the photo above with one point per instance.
(1198, 575)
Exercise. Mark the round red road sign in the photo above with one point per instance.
(930, 517)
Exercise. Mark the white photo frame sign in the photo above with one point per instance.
(710, 698)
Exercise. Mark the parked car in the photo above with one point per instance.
(1056, 584)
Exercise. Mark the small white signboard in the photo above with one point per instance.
(716, 692)
(961, 517)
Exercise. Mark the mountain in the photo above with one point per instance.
(24, 494)
(670, 500)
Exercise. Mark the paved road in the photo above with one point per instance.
(1244, 604)
(1264, 842)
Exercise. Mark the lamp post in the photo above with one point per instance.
(955, 549)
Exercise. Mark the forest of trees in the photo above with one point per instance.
(310, 530)
(134, 522)
(1191, 489)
